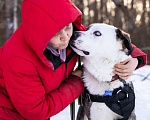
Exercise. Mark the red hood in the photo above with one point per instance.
(42, 19)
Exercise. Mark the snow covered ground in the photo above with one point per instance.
(141, 81)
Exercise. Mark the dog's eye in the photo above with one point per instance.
(97, 33)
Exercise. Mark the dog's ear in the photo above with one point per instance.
(125, 37)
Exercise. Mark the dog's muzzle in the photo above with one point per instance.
(75, 35)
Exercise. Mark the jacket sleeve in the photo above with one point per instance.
(27, 92)
(138, 53)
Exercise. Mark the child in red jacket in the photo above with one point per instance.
(37, 79)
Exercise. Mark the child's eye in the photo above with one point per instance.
(97, 33)
(57, 34)
(68, 27)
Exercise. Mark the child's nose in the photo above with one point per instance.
(64, 36)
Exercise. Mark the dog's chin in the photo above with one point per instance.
(79, 52)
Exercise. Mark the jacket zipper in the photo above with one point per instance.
(66, 70)
(70, 56)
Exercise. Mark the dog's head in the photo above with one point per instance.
(101, 40)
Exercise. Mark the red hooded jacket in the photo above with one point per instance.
(29, 86)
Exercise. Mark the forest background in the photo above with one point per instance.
(132, 16)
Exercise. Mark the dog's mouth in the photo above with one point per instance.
(72, 45)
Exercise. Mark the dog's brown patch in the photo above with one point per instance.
(126, 41)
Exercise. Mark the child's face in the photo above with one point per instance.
(61, 39)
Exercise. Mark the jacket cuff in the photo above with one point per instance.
(140, 61)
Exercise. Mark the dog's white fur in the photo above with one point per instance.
(104, 52)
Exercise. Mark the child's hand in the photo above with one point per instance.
(125, 69)
(77, 73)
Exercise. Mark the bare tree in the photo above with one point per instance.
(117, 18)
(19, 2)
(15, 23)
(129, 15)
(2, 22)
(143, 24)
(123, 15)
(101, 11)
(132, 3)
(149, 20)
(89, 17)
(9, 18)
(80, 5)
(95, 12)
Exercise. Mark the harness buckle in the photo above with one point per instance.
(88, 97)
(127, 95)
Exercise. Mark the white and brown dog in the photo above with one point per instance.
(102, 46)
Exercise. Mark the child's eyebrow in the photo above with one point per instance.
(68, 25)
(58, 33)
(62, 29)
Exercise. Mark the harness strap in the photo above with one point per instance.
(99, 98)
(80, 102)
(122, 100)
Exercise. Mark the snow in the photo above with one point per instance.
(141, 81)
(142, 92)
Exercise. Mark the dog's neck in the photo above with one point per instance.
(102, 69)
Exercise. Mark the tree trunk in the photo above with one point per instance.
(132, 3)
(107, 16)
(101, 12)
(81, 7)
(2, 23)
(143, 25)
(19, 2)
(143, 13)
(128, 15)
(89, 16)
(9, 18)
(95, 12)
(149, 21)
(117, 21)
(15, 19)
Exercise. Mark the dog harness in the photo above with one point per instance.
(121, 100)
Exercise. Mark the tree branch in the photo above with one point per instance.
(145, 48)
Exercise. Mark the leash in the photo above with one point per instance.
(80, 67)
(72, 110)
(80, 102)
